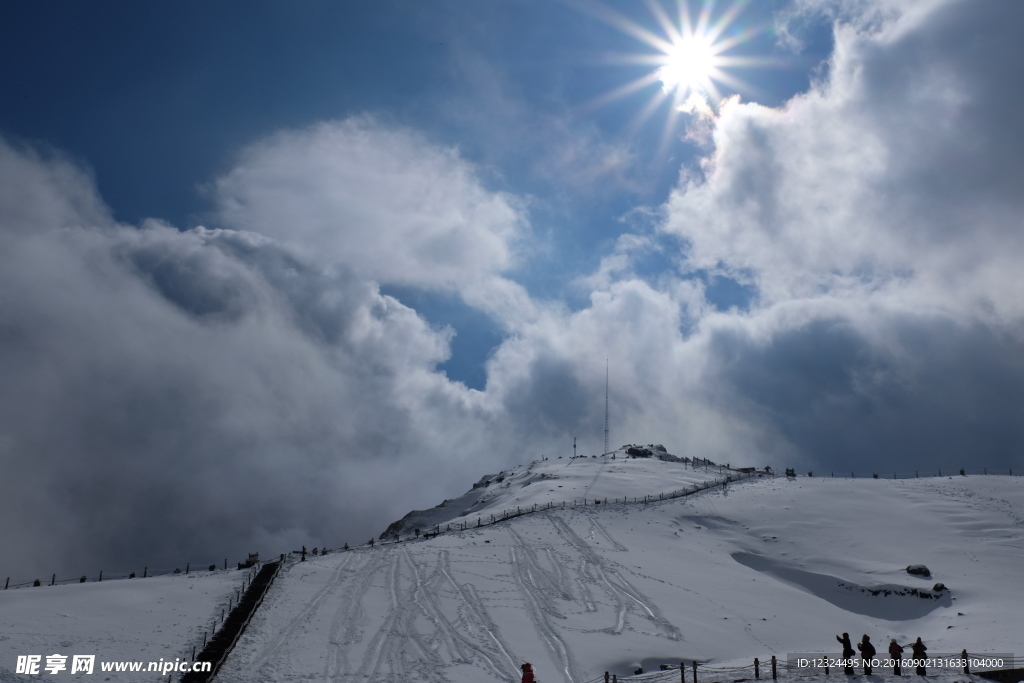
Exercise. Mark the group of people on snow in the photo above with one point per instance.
(867, 654)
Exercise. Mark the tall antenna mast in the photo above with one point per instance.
(606, 405)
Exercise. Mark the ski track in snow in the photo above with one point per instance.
(391, 643)
(475, 608)
(553, 583)
(398, 650)
(620, 589)
(604, 532)
(350, 615)
(581, 574)
(371, 660)
(307, 612)
(413, 639)
(536, 604)
(424, 596)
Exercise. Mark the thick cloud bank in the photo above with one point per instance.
(878, 218)
(172, 395)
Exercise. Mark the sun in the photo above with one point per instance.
(689, 65)
(691, 57)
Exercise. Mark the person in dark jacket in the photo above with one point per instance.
(528, 673)
(896, 654)
(920, 653)
(848, 653)
(867, 653)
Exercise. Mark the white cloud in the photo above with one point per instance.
(385, 203)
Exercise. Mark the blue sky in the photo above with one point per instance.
(274, 252)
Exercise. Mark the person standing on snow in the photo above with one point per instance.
(867, 653)
(528, 673)
(896, 654)
(920, 653)
(848, 653)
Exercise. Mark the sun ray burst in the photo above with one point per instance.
(690, 58)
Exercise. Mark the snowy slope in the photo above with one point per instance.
(123, 620)
(764, 567)
(570, 481)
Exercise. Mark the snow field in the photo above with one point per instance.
(763, 567)
(123, 620)
(766, 566)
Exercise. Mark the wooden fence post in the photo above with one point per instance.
(53, 579)
(967, 666)
(682, 672)
(101, 575)
(775, 674)
(694, 672)
(757, 668)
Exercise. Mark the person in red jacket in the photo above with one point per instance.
(528, 673)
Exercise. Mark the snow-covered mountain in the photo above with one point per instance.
(559, 481)
(761, 567)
